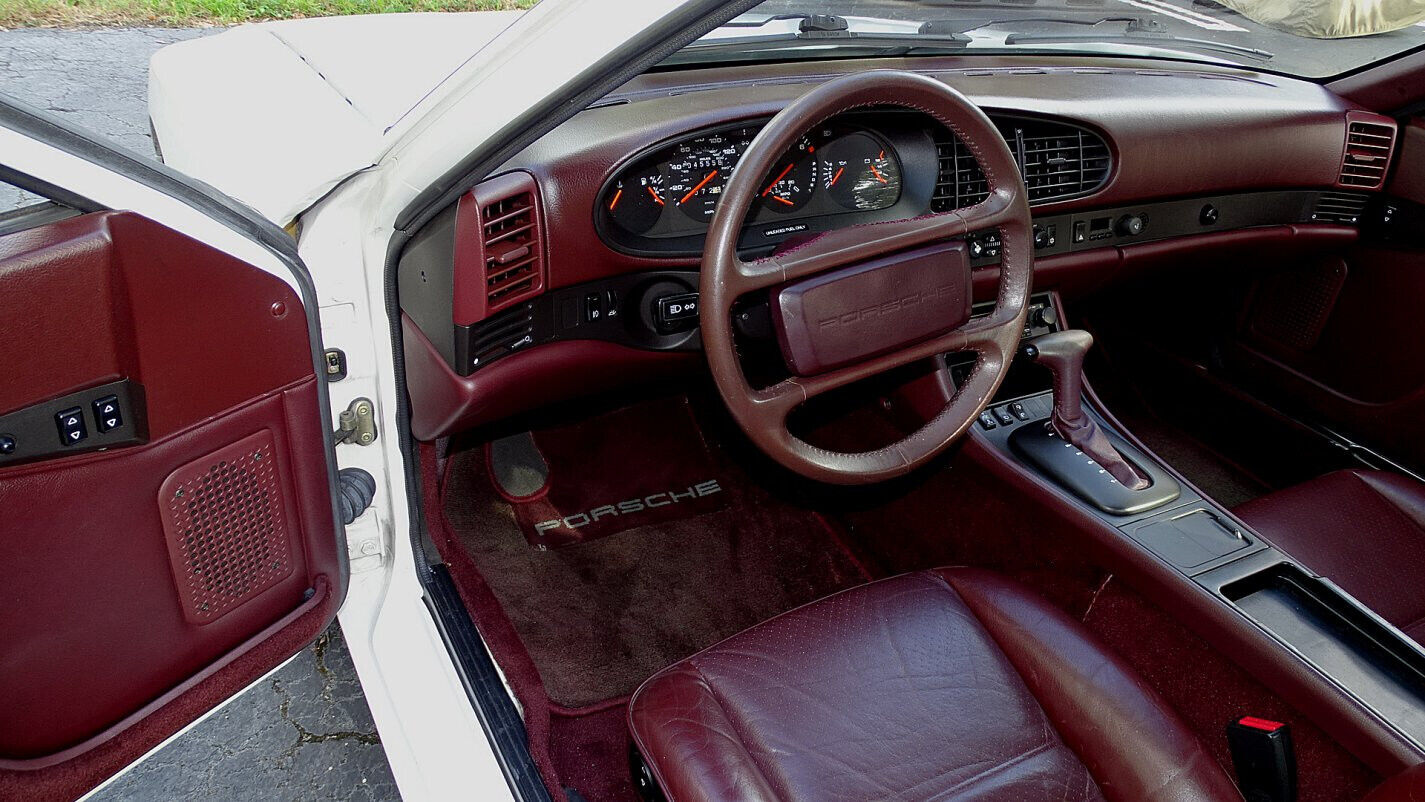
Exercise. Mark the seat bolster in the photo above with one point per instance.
(689, 742)
(1131, 741)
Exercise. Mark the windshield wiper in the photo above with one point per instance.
(816, 29)
(1133, 23)
(1140, 38)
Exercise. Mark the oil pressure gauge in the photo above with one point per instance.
(792, 180)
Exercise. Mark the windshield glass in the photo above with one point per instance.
(1305, 38)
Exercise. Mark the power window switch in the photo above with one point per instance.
(107, 415)
(71, 426)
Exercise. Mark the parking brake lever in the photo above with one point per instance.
(1062, 352)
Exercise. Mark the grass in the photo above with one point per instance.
(175, 13)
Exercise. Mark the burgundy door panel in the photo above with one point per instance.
(144, 584)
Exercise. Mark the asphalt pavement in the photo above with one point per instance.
(305, 732)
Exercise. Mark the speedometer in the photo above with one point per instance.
(699, 169)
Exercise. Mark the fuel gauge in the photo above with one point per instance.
(860, 173)
(636, 201)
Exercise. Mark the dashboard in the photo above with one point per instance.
(583, 249)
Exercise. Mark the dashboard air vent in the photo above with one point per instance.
(502, 334)
(1368, 145)
(499, 247)
(1340, 207)
(1057, 160)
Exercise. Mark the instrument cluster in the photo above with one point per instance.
(662, 201)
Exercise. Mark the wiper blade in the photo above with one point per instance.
(1133, 23)
(1143, 39)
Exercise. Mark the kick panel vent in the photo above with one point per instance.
(226, 522)
(1369, 141)
(499, 247)
(1058, 161)
(1340, 207)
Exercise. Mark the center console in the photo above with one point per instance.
(1314, 643)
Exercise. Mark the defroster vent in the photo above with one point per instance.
(1058, 161)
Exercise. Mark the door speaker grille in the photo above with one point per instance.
(226, 522)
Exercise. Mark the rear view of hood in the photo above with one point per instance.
(276, 114)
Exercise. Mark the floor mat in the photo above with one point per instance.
(599, 617)
(642, 465)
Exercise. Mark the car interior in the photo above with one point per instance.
(826, 425)
(868, 471)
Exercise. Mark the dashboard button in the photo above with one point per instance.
(675, 312)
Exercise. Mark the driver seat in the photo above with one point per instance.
(954, 683)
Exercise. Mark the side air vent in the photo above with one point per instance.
(1340, 207)
(1058, 161)
(502, 334)
(1369, 141)
(499, 249)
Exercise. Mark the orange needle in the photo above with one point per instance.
(701, 184)
(654, 193)
(783, 200)
(879, 177)
(614, 202)
(779, 177)
(837, 177)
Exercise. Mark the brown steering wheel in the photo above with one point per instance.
(854, 302)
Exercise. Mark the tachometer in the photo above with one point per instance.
(636, 201)
(860, 173)
(793, 178)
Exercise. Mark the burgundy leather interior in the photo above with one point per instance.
(99, 661)
(1407, 786)
(946, 684)
(1364, 530)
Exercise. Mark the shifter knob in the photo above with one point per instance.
(1063, 352)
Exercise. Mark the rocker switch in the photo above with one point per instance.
(71, 426)
(107, 415)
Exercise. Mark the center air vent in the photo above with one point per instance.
(1057, 160)
(1340, 207)
(499, 247)
(1369, 140)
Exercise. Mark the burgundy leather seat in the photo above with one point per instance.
(1363, 530)
(947, 684)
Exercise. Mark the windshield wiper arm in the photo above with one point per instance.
(1146, 39)
(1134, 23)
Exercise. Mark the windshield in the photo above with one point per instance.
(1304, 38)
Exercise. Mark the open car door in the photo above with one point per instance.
(167, 530)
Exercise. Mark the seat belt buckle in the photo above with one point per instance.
(1263, 756)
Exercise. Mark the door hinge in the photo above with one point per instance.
(356, 424)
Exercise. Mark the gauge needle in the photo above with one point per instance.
(614, 202)
(879, 177)
(775, 181)
(836, 177)
(781, 199)
(654, 193)
(701, 184)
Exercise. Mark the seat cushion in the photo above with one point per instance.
(1363, 530)
(946, 684)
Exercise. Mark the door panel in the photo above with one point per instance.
(141, 584)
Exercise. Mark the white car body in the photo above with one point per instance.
(304, 122)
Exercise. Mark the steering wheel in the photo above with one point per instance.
(853, 302)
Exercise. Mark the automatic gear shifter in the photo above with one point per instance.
(1062, 352)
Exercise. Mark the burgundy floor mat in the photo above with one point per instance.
(599, 617)
(642, 465)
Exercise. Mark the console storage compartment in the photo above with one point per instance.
(1354, 647)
